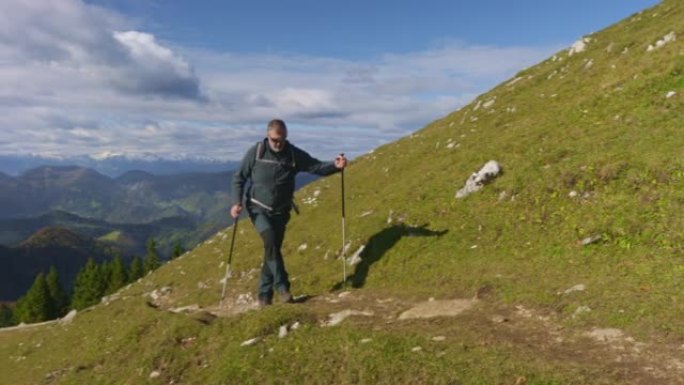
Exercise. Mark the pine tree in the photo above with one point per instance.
(178, 250)
(118, 275)
(88, 287)
(6, 317)
(152, 258)
(37, 304)
(136, 270)
(59, 297)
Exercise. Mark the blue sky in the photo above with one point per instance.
(201, 78)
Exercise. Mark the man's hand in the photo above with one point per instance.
(341, 161)
(235, 210)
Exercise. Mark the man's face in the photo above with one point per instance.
(276, 139)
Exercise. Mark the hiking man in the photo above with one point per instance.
(271, 166)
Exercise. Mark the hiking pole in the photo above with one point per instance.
(229, 272)
(344, 261)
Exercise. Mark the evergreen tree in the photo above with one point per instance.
(178, 250)
(152, 258)
(88, 287)
(59, 297)
(37, 304)
(118, 275)
(136, 270)
(6, 317)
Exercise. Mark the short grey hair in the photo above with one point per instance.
(278, 125)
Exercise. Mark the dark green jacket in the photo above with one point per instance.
(272, 176)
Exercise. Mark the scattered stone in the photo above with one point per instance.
(499, 319)
(338, 317)
(282, 332)
(475, 182)
(302, 247)
(155, 374)
(579, 287)
(520, 381)
(67, 319)
(366, 213)
(416, 349)
(670, 37)
(185, 309)
(437, 308)
(589, 240)
(356, 257)
(579, 46)
(251, 342)
(439, 338)
(670, 94)
(581, 310)
(343, 294)
(295, 325)
(489, 103)
(366, 340)
(606, 335)
(573, 194)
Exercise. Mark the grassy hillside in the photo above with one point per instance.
(590, 146)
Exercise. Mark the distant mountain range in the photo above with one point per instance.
(114, 165)
(60, 215)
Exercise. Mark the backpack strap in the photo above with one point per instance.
(261, 150)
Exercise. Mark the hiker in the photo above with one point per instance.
(271, 166)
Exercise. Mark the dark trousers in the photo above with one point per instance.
(271, 228)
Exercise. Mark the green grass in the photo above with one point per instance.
(605, 132)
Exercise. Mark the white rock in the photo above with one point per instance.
(302, 247)
(338, 317)
(475, 182)
(579, 46)
(670, 94)
(251, 342)
(606, 335)
(356, 257)
(581, 310)
(344, 294)
(416, 349)
(437, 308)
(282, 332)
(366, 340)
(573, 194)
(295, 325)
(67, 319)
(155, 374)
(438, 338)
(579, 287)
(489, 103)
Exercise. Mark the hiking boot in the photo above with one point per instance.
(286, 297)
(263, 302)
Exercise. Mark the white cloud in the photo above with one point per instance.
(85, 80)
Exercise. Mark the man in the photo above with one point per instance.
(271, 166)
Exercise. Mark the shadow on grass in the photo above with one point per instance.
(378, 245)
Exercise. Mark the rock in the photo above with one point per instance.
(581, 310)
(302, 247)
(185, 309)
(366, 340)
(589, 240)
(579, 287)
(251, 342)
(338, 317)
(437, 308)
(155, 374)
(416, 349)
(439, 338)
(282, 332)
(579, 46)
(499, 319)
(475, 182)
(670, 94)
(67, 319)
(295, 325)
(606, 335)
(344, 294)
(356, 257)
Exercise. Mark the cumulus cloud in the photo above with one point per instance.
(78, 79)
